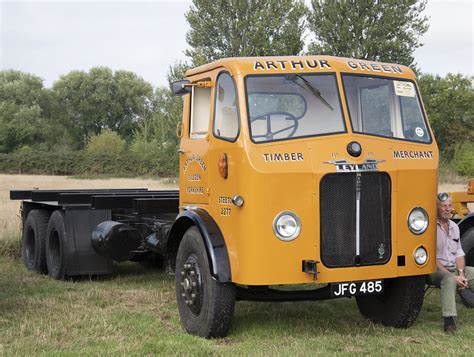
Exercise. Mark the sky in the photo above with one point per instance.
(52, 38)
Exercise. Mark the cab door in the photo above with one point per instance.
(225, 153)
(193, 159)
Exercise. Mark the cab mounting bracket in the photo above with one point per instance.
(311, 267)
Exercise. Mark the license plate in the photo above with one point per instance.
(357, 288)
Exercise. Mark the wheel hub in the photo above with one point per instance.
(187, 285)
(191, 285)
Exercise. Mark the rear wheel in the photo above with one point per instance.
(33, 250)
(55, 244)
(206, 307)
(398, 306)
(467, 240)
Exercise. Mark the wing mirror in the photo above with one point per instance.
(181, 87)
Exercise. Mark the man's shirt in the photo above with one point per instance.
(448, 244)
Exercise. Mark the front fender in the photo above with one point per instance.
(213, 239)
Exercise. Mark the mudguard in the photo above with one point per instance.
(466, 223)
(213, 240)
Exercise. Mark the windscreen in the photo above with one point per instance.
(385, 107)
(291, 106)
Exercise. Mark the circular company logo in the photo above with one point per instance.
(419, 132)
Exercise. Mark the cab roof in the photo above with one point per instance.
(303, 64)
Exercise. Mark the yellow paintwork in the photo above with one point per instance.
(257, 257)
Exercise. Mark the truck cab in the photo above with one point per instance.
(332, 158)
(315, 169)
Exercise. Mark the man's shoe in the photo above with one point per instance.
(449, 324)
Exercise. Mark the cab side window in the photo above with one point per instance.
(226, 115)
(200, 112)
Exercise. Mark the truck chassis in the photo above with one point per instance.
(76, 213)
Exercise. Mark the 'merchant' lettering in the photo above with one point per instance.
(407, 155)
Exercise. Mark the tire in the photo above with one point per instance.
(467, 297)
(206, 307)
(467, 240)
(33, 248)
(398, 306)
(55, 246)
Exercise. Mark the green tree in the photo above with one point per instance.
(463, 160)
(379, 30)
(101, 99)
(155, 142)
(177, 71)
(107, 143)
(22, 121)
(58, 134)
(449, 105)
(237, 28)
(105, 153)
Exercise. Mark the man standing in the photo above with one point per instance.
(451, 273)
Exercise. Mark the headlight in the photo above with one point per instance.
(421, 256)
(286, 226)
(418, 220)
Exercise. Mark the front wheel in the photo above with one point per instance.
(206, 307)
(398, 306)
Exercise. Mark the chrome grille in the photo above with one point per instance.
(355, 219)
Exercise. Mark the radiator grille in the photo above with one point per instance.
(339, 219)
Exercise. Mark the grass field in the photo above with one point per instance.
(134, 311)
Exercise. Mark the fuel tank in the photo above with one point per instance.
(115, 240)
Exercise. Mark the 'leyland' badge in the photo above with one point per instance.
(345, 166)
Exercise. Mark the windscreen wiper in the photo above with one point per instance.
(315, 91)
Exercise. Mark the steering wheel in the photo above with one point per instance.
(289, 130)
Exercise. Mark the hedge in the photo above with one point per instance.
(60, 162)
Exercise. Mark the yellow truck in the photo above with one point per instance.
(465, 219)
(301, 178)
